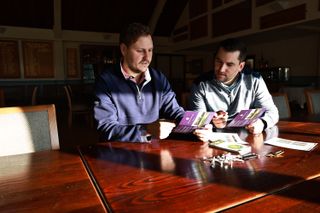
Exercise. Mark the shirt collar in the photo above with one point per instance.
(145, 76)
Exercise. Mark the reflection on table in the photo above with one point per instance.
(169, 175)
(304, 128)
(48, 181)
(313, 118)
(303, 197)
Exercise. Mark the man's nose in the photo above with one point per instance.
(145, 55)
(222, 68)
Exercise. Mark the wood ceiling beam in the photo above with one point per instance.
(156, 14)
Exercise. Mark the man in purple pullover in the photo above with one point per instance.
(134, 102)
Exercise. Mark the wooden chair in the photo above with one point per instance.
(2, 98)
(28, 129)
(34, 95)
(77, 108)
(282, 103)
(313, 100)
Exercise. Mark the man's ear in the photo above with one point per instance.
(241, 65)
(123, 49)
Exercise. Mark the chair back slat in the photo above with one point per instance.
(80, 107)
(2, 99)
(282, 103)
(34, 95)
(68, 95)
(313, 100)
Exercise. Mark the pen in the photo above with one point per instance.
(234, 138)
(248, 154)
(250, 157)
(279, 152)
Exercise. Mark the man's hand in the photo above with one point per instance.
(160, 129)
(256, 127)
(204, 133)
(220, 119)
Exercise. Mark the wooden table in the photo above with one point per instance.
(169, 175)
(49, 181)
(313, 118)
(303, 197)
(304, 128)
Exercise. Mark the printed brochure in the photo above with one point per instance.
(291, 144)
(230, 142)
(246, 117)
(193, 120)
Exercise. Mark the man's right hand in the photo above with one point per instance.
(220, 119)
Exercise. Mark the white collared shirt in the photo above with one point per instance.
(145, 76)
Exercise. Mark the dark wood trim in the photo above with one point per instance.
(182, 37)
(283, 17)
(180, 30)
(197, 7)
(262, 2)
(232, 19)
(199, 28)
(216, 3)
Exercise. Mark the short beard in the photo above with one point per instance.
(136, 71)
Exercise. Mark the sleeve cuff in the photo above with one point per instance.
(145, 137)
(265, 125)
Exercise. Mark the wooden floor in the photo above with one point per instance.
(79, 134)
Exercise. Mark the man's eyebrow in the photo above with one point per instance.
(230, 63)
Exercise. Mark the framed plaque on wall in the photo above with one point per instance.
(9, 59)
(72, 63)
(38, 59)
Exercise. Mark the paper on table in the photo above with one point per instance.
(291, 144)
(230, 137)
(230, 142)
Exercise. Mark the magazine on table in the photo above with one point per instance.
(230, 142)
(291, 144)
(246, 116)
(193, 120)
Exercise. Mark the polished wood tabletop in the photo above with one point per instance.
(304, 118)
(48, 181)
(303, 197)
(169, 175)
(312, 128)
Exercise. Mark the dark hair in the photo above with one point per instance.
(233, 44)
(132, 32)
